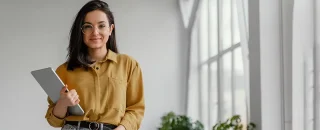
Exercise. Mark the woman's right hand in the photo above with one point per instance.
(70, 98)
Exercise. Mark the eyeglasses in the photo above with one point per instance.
(88, 28)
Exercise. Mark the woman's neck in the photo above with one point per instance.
(97, 54)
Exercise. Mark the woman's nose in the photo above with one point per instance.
(95, 31)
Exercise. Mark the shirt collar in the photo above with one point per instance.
(111, 56)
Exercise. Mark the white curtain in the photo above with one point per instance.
(218, 62)
(207, 94)
(193, 104)
(305, 96)
(242, 9)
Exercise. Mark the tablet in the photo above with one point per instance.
(52, 85)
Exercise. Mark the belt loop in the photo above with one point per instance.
(78, 128)
(101, 126)
(64, 122)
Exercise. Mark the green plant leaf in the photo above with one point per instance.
(233, 123)
(171, 121)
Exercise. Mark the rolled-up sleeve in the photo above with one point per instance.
(135, 104)
(52, 119)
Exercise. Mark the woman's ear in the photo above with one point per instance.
(111, 29)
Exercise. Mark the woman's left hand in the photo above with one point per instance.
(120, 127)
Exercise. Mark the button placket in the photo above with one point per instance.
(96, 88)
(97, 71)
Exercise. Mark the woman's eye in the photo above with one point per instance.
(87, 27)
(102, 26)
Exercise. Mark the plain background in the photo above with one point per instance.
(34, 35)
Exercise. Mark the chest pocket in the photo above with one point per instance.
(118, 91)
(117, 83)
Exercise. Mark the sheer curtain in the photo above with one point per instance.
(306, 67)
(218, 62)
(218, 80)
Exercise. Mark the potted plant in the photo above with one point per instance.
(171, 121)
(233, 123)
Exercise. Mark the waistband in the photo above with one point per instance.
(91, 125)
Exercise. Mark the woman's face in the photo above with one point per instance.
(96, 29)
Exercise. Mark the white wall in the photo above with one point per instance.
(149, 30)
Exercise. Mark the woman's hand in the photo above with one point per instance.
(120, 127)
(66, 99)
(70, 98)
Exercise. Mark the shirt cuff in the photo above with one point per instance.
(127, 125)
(55, 121)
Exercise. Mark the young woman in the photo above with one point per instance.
(106, 84)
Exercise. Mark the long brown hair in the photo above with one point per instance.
(78, 55)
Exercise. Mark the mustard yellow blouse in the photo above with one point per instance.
(111, 92)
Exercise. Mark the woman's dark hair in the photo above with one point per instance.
(78, 55)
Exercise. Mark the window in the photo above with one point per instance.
(216, 40)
